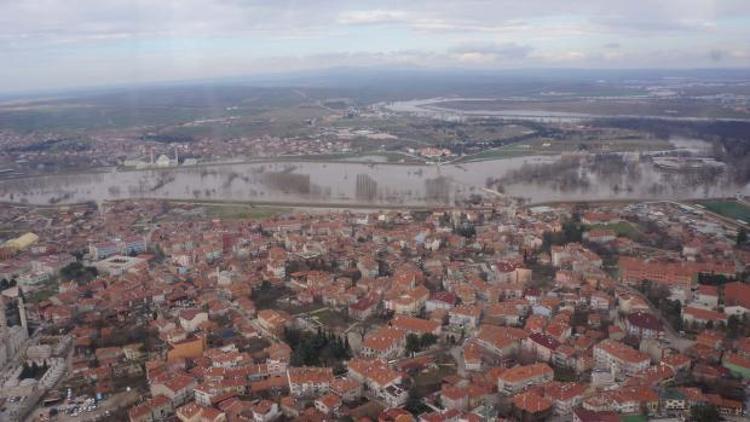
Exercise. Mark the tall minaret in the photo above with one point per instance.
(176, 157)
(22, 312)
(3, 320)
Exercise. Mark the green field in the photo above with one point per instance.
(240, 212)
(544, 146)
(234, 211)
(43, 292)
(332, 319)
(622, 228)
(729, 208)
(500, 153)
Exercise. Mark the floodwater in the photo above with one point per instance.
(376, 184)
(437, 108)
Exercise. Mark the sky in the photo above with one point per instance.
(59, 44)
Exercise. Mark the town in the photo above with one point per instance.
(490, 310)
(374, 211)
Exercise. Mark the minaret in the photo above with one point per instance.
(176, 157)
(3, 321)
(22, 312)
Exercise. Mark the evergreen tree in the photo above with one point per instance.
(741, 236)
(412, 344)
(704, 413)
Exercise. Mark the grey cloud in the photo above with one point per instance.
(504, 50)
(90, 18)
(194, 38)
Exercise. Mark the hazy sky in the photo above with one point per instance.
(67, 43)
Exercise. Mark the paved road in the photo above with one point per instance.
(118, 401)
(458, 355)
(678, 342)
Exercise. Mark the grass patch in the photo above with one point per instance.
(499, 153)
(544, 146)
(44, 292)
(731, 209)
(364, 156)
(242, 212)
(332, 319)
(623, 228)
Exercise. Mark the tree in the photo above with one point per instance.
(427, 340)
(414, 403)
(75, 271)
(412, 344)
(741, 236)
(704, 413)
(320, 348)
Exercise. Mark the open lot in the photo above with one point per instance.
(622, 228)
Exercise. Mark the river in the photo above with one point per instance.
(441, 108)
(371, 184)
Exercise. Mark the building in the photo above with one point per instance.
(309, 381)
(736, 298)
(116, 265)
(530, 406)
(409, 302)
(541, 345)
(644, 325)
(465, 316)
(413, 325)
(384, 343)
(22, 242)
(500, 341)
(347, 388)
(328, 404)
(364, 308)
(374, 373)
(273, 321)
(521, 377)
(179, 389)
(154, 410)
(619, 359)
(191, 319)
(702, 317)
(191, 347)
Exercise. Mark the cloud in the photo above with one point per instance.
(484, 52)
(646, 24)
(44, 42)
(371, 17)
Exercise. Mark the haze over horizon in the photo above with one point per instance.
(51, 44)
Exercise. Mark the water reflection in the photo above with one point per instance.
(538, 179)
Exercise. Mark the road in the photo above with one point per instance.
(678, 342)
(117, 401)
(458, 355)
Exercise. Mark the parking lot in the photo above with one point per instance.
(86, 410)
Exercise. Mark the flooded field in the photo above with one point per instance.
(453, 108)
(537, 179)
